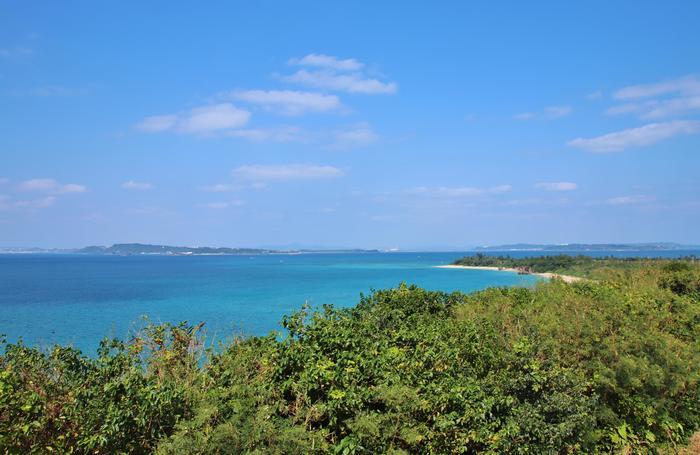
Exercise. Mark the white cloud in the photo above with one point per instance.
(523, 202)
(673, 107)
(627, 200)
(138, 186)
(16, 52)
(327, 61)
(344, 82)
(151, 211)
(71, 188)
(157, 123)
(670, 98)
(594, 95)
(212, 118)
(50, 186)
(525, 116)
(636, 137)
(262, 173)
(223, 204)
(289, 102)
(220, 188)
(687, 85)
(200, 120)
(358, 135)
(39, 203)
(555, 112)
(550, 113)
(50, 189)
(332, 73)
(627, 108)
(281, 134)
(445, 191)
(556, 186)
(655, 109)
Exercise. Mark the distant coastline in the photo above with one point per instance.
(587, 247)
(548, 275)
(129, 249)
(141, 249)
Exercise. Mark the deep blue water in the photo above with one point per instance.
(79, 299)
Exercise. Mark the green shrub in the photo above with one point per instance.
(61, 401)
(597, 366)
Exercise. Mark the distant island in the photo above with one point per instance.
(130, 249)
(576, 247)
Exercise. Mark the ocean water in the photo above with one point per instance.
(79, 299)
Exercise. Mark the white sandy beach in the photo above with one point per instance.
(548, 275)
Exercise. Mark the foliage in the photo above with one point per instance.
(61, 401)
(596, 366)
(584, 266)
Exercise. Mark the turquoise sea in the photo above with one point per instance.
(79, 299)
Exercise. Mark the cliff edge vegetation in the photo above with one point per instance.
(597, 366)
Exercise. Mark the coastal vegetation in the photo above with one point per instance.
(580, 265)
(606, 365)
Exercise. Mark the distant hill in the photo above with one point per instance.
(127, 249)
(574, 247)
(124, 249)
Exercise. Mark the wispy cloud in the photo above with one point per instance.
(327, 61)
(200, 120)
(351, 83)
(655, 109)
(4, 181)
(149, 211)
(39, 203)
(628, 200)
(555, 112)
(525, 116)
(231, 187)
(289, 102)
(594, 95)
(223, 204)
(332, 73)
(549, 113)
(357, 135)
(264, 173)
(636, 137)
(280, 134)
(50, 186)
(48, 192)
(137, 186)
(687, 85)
(673, 107)
(220, 188)
(7, 203)
(463, 191)
(157, 123)
(556, 186)
(669, 98)
(16, 52)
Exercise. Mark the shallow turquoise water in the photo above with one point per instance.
(79, 299)
(74, 299)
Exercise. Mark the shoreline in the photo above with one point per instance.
(548, 275)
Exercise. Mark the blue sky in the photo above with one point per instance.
(414, 125)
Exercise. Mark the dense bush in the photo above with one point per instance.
(583, 266)
(597, 366)
(120, 402)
